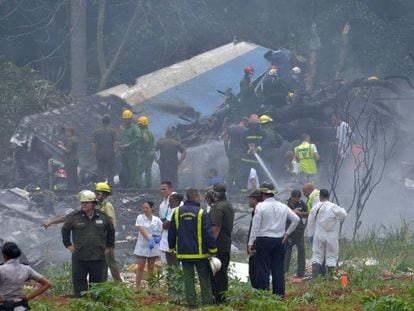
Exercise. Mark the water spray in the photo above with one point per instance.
(266, 171)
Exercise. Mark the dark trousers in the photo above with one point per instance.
(169, 172)
(111, 263)
(298, 239)
(220, 282)
(234, 177)
(106, 169)
(204, 272)
(72, 180)
(253, 271)
(270, 255)
(81, 269)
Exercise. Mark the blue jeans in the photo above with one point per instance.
(270, 255)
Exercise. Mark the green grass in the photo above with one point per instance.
(367, 289)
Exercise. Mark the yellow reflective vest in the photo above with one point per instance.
(304, 152)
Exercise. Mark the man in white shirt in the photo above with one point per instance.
(269, 236)
(165, 213)
(343, 135)
(323, 225)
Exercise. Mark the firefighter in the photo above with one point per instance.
(129, 151)
(146, 155)
(253, 138)
(102, 192)
(248, 98)
(191, 236)
(271, 141)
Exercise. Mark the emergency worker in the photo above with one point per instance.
(234, 147)
(271, 141)
(275, 90)
(88, 234)
(70, 157)
(104, 146)
(248, 98)
(13, 275)
(191, 236)
(310, 191)
(307, 155)
(221, 217)
(252, 140)
(146, 155)
(167, 160)
(129, 140)
(323, 223)
(102, 192)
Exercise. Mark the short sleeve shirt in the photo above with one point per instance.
(108, 209)
(12, 277)
(154, 228)
(222, 215)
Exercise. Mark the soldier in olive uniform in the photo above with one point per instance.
(168, 160)
(128, 146)
(93, 236)
(104, 146)
(146, 155)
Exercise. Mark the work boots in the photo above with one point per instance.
(316, 270)
(330, 272)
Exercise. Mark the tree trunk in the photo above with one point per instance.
(78, 52)
(106, 72)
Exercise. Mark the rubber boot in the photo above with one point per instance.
(316, 270)
(330, 272)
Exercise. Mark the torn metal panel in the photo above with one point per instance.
(191, 85)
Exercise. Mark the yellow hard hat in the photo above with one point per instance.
(265, 118)
(291, 95)
(371, 78)
(103, 187)
(127, 114)
(143, 120)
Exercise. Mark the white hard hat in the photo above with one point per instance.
(215, 264)
(296, 70)
(87, 196)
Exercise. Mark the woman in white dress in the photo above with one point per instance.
(149, 235)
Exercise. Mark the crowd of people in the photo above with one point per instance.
(193, 230)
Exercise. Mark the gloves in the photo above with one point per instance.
(151, 243)
(157, 239)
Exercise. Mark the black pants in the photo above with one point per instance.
(81, 269)
(106, 168)
(253, 271)
(298, 239)
(220, 282)
(71, 167)
(270, 255)
(169, 172)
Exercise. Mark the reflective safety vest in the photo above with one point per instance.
(312, 196)
(304, 153)
(192, 230)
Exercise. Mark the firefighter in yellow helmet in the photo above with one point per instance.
(128, 147)
(146, 155)
(272, 140)
(102, 192)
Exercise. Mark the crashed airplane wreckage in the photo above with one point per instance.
(191, 90)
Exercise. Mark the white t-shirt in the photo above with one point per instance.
(154, 228)
(253, 175)
(164, 236)
(343, 131)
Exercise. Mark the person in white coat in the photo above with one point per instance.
(323, 225)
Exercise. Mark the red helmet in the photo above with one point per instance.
(249, 70)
